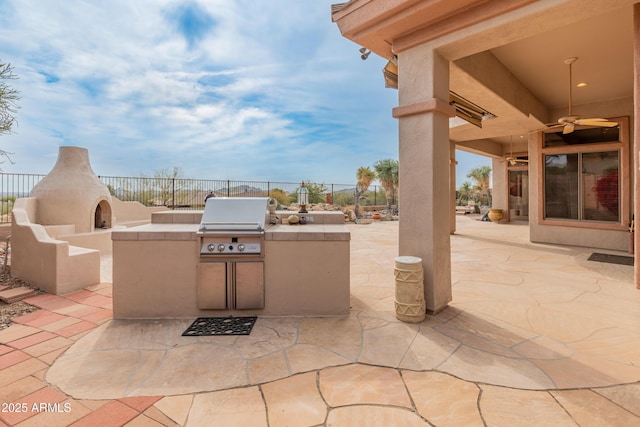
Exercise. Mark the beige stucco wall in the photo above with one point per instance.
(129, 213)
(99, 240)
(305, 278)
(154, 279)
(499, 186)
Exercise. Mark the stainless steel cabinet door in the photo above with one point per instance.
(212, 285)
(249, 285)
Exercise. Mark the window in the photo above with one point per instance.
(601, 186)
(583, 182)
(561, 186)
(582, 186)
(582, 137)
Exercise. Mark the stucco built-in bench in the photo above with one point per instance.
(54, 266)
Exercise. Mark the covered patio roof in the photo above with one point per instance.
(508, 57)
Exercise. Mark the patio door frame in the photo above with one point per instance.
(509, 168)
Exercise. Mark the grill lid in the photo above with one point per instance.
(234, 214)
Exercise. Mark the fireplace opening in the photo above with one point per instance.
(102, 216)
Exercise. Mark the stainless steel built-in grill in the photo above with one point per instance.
(233, 226)
(231, 268)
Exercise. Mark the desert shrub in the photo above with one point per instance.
(316, 193)
(343, 198)
(280, 195)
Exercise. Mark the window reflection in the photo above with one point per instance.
(561, 186)
(582, 186)
(600, 183)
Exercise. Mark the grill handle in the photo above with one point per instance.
(203, 225)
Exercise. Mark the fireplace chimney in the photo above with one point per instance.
(72, 194)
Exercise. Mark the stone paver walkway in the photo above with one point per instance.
(536, 335)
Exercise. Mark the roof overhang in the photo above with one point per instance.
(391, 26)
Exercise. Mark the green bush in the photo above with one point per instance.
(280, 196)
(316, 193)
(343, 198)
(373, 198)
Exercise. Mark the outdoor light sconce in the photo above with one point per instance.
(390, 73)
(365, 53)
(303, 198)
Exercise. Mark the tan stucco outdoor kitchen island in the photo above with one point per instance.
(305, 269)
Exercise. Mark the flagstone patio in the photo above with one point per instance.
(536, 334)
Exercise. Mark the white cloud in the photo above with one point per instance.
(257, 84)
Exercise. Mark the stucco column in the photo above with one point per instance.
(424, 157)
(452, 186)
(636, 134)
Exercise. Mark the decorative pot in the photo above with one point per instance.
(376, 216)
(293, 219)
(495, 215)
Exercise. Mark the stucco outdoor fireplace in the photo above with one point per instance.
(60, 231)
(57, 232)
(72, 194)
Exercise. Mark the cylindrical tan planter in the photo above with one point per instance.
(409, 302)
(495, 215)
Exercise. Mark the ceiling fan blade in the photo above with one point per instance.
(554, 125)
(514, 161)
(596, 122)
(568, 128)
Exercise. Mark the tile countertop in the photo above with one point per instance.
(281, 232)
(194, 216)
(157, 232)
(308, 232)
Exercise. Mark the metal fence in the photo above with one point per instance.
(179, 193)
(185, 193)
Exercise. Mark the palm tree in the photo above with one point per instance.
(387, 171)
(464, 193)
(482, 176)
(365, 177)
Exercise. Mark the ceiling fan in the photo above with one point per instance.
(514, 160)
(568, 123)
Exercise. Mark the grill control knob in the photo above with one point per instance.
(220, 247)
(241, 247)
(211, 247)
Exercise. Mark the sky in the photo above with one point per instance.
(222, 89)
